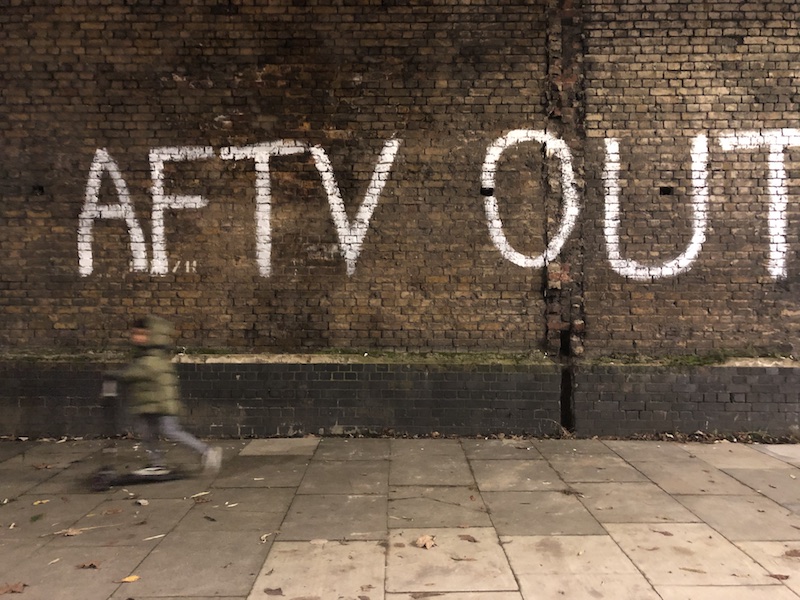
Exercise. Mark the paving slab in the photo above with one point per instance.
(74, 572)
(761, 592)
(632, 503)
(500, 450)
(353, 449)
(780, 485)
(210, 564)
(35, 515)
(262, 471)
(694, 520)
(686, 554)
(10, 449)
(437, 507)
(778, 558)
(564, 448)
(594, 468)
(458, 596)
(239, 509)
(346, 477)
(463, 560)
(640, 451)
(410, 468)
(123, 522)
(336, 517)
(691, 476)
(751, 518)
(726, 455)
(281, 447)
(516, 476)
(322, 569)
(425, 447)
(583, 567)
(539, 513)
(788, 453)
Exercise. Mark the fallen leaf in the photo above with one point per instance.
(41, 466)
(13, 588)
(207, 518)
(425, 541)
(129, 579)
(468, 538)
(265, 537)
(91, 565)
(198, 494)
(38, 502)
(273, 591)
(420, 595)
(778, 577)
(112, 511)
(71, 532)
(666, 533)
(692, 570)
(154, 537)
(54, 561)
(794, 553)
(142, 502)
(458, 559)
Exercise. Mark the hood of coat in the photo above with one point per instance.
(160, 332)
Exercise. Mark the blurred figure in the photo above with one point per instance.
(152, 394)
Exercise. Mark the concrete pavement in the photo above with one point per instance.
(333, 518)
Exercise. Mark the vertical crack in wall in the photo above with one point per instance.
(564, 104)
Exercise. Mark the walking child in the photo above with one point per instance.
(151, 383)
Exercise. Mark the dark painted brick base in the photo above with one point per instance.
(243, 400)
(627, 400)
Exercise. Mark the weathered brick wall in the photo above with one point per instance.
(659, 75)
(234, 399)
(624, 400)
(298, 176)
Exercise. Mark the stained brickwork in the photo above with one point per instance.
(628, 400)
(587, 178)
(258, 400)
(131, 179)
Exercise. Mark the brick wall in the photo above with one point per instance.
(639, 200)
(235, 399)
(586, 178)
(627, 400)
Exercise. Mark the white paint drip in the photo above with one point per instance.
(351, 235)
(777, 140)
(261, 153)
(162, 201)
(571, 208)
(631, 268)
(92, 210)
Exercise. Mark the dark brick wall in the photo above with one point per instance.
(241, 400)
(627, 400)
(445, 79)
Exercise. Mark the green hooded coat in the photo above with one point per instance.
(151, 380)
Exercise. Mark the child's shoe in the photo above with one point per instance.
(212, 460)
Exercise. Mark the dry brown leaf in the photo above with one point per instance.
(112, 511)
(692, 570)
(468, 538)
(91, 565)
(778, 577)
(129, 579)
(794, 553)
(666, 533)
(425, 541)
(273, 591)
(13, 588)
(71, 532)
